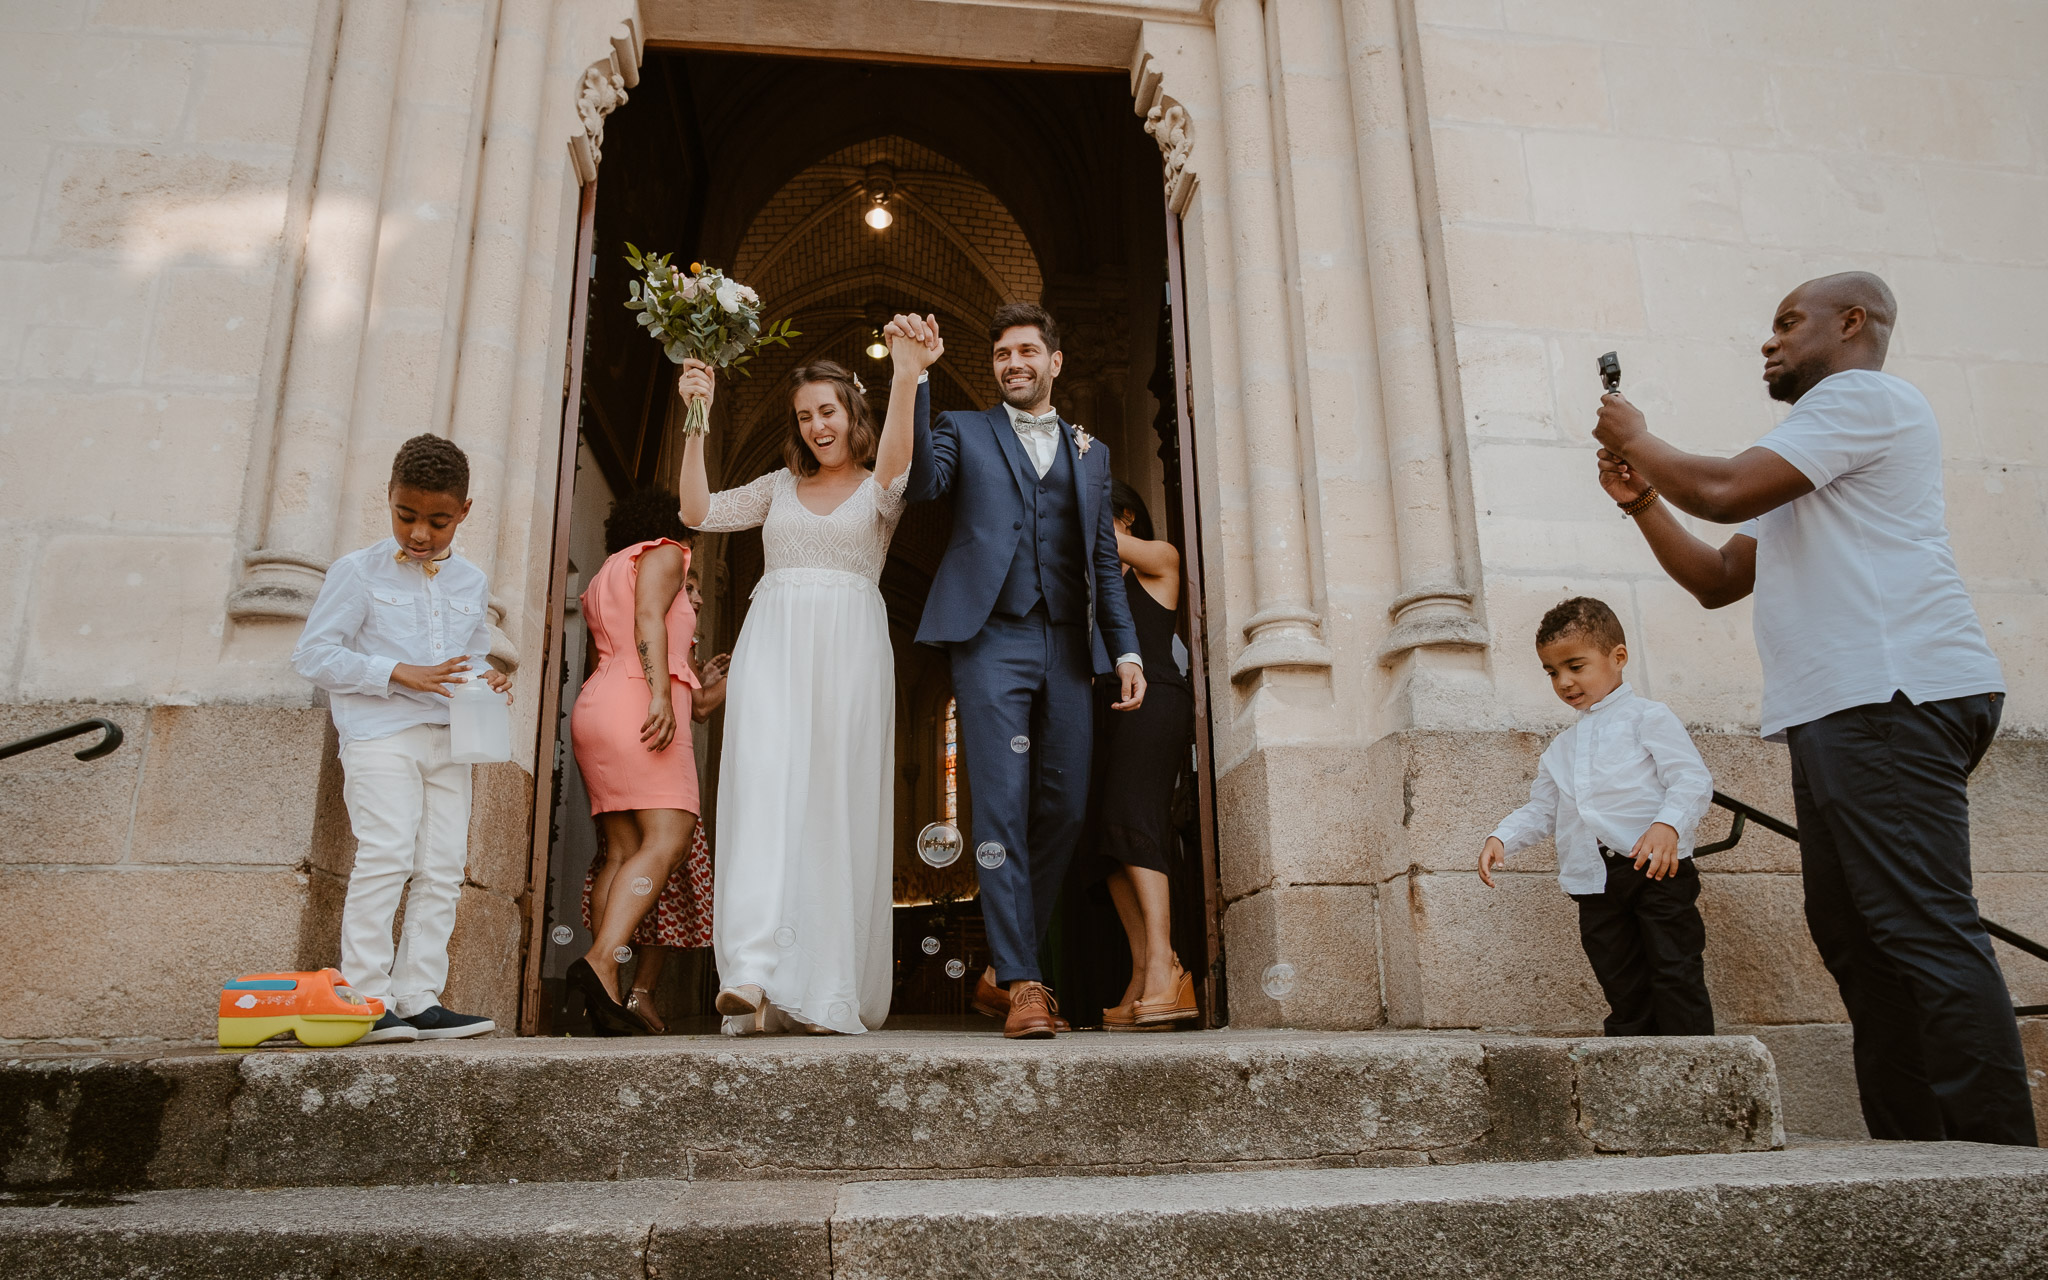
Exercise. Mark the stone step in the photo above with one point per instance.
(1851, 1212)
(885, 1105)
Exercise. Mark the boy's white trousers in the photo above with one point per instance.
(409, 805)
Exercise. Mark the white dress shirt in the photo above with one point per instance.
(375, 612)
(1627, 763)
(1857, 594)
(1040, 436)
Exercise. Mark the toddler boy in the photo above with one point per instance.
(1626, 776)
(395, 624)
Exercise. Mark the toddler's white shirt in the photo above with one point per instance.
(1627, 763)
(374, 613)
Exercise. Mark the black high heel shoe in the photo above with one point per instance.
(607, 1016)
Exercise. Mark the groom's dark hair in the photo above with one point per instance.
(1015, 315)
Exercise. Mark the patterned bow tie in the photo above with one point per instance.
(1046, 422)
(428, 567)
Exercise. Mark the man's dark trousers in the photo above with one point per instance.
(1645, 939)
(1884, 845)
(1027, 721)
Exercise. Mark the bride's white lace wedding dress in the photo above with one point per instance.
(806, 785)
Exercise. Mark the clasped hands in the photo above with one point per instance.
(1656, 849)
(914, 342)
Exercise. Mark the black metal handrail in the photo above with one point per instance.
(106, 746)
(1745, 814)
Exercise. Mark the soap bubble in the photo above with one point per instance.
(643, 886)
(1020, 744)
(563, 935)
(931, 946)
(954, 968)
(785, 937)
(939, 844)
(1278, 980)
(623, 954)
(990, 855)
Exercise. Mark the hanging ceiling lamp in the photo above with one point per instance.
(876, 347)
(879, 186)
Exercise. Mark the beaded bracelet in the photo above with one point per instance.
(1641, 504)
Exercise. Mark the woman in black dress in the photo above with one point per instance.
(1147, 748)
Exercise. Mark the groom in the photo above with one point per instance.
(1029, 602)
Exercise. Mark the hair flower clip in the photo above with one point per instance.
(858, 385)
(1081, 441)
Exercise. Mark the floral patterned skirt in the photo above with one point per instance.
(682, 914)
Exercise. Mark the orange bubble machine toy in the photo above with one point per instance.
(318, 1007)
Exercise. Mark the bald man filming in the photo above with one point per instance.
(1878, 677)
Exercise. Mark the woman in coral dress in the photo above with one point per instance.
(631, 736)
(806, 786)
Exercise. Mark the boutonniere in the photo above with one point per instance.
(1081, 441)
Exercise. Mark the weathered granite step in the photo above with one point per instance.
(1862, 1212)
(888, 1105)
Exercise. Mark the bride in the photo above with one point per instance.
(801, 897)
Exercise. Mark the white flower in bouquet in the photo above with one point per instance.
(703, 315)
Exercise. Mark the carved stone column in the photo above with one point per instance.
(486, 372)
(1284, 630)
(296, 543)
(1434, 609)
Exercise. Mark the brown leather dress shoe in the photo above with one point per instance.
(1031, 1013)
(990, 999)
(993, 1001)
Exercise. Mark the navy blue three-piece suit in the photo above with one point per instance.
(1029, 602)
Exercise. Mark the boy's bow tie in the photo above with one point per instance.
(428, 567)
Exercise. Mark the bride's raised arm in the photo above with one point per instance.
(695, 486)
(914, 346)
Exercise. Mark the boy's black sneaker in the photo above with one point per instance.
(436, 1023)
(390, 1027)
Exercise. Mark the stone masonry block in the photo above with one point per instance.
(218, 337)
(137, 953)
(1682, 93)
(1527, 83)
(56, 808)
(2019, 901)
(1816, 1077)
(1289, 815)
(131, 640)
(250, 95)
(230, 784)
(114, 1124)
(62, 88)
(2009, 807)
(1540, 280)
(1480, 176)
(2007, 398)
(1454, 789)
(1598, 182)
(168, 460)
(1326, 934)
(1761, 963)
(483, 957)
(500, 828)
(191, 206)
(281, 20)
(1507, 957)
(1668, 1095)
(1838, 203)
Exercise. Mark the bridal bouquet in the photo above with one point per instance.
(701, 314)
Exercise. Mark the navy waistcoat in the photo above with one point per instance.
(1050, 564)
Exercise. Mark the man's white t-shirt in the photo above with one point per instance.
(1857, 594)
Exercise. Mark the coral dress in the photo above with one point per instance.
(618, 770)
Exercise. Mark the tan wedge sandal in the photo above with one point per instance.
(1179, 1008)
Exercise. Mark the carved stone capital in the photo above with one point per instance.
(277, 586)
(1171, 127)
(602, 92)
(1432, 618)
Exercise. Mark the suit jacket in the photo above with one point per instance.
(978, 460)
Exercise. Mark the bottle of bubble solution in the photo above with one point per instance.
(479, 722)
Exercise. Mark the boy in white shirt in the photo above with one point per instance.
(1626, 776)
(396, 623)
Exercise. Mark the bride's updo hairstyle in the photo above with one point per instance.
(863, 437)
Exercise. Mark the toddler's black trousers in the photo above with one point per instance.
(1645, 939)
